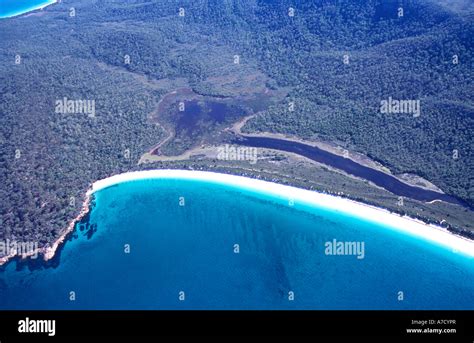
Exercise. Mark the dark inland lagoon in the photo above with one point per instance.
(197, 113)
(386, 181)
(182, 240)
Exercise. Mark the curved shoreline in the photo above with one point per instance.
(407, 225)
(48, 252)
(31, 9)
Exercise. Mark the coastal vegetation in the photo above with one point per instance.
(327, 66)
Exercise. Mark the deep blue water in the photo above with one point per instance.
(10, 8)
(190, 248)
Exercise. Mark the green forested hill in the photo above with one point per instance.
(46, 159)
(404, 58)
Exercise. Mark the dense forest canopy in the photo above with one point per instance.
(338, 60)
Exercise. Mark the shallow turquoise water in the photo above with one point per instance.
(190, 249)
(10, 8)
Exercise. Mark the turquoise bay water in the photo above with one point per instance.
(9, 8)
(190, 249)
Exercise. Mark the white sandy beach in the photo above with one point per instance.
(410, 226)
(407, 225)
